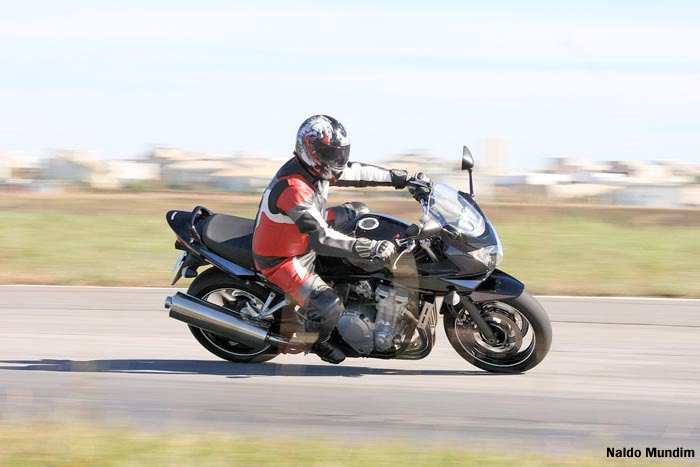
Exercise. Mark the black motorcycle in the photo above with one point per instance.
(447, 266)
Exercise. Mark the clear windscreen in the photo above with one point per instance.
(448, 207)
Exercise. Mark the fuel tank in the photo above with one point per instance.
(378, 227)
(373, 226)
(410, 274)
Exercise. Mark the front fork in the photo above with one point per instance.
(474, 313)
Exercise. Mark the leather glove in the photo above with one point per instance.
(419, 185)
(402, 178)
(418, 177)
(382, 250)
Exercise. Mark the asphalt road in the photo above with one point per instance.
(621, 372)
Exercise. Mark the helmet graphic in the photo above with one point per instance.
(322, 146)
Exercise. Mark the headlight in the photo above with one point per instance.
(489, 256)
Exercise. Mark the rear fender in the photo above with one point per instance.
(185, 223)
(179, 223)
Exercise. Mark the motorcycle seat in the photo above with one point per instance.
(230, 237)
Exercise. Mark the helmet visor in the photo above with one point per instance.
(335, 157)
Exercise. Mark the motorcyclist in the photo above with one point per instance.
(293, 224)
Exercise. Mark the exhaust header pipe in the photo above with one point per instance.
(218, 320)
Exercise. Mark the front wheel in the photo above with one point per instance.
(522, 329)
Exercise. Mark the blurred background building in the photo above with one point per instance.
(664, 183)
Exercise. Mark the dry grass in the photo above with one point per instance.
(73, 445)
(122, 239)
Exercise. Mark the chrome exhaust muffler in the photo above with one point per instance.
(219, 320)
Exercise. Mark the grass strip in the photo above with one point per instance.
(563, 255)
(48, 444)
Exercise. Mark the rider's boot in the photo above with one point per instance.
(328, 352)
(325, 307)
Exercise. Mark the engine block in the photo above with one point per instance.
(390, 305)
(356, 326)
(372, 320)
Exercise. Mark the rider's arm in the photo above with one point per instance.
(297, 201)
(358, 174)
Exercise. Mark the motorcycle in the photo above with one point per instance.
(447, 265)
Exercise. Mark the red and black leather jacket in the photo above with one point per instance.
(291, 220)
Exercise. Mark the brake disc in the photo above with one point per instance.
(509, 335)
(512, 315)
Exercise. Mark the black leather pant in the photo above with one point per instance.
(323, 305)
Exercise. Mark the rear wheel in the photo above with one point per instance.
(522, 329)
(223, 290)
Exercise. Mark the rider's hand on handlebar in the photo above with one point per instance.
(418, 177)
(419, 185)
(382, 250)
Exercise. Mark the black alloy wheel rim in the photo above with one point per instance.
(515, 337)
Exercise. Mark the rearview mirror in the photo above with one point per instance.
(467, 159)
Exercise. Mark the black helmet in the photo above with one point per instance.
(322, 146)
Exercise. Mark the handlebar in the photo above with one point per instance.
(412, 230)
(420, 189)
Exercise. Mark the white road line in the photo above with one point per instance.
(107, 287)
(588, 297)
(563, 297)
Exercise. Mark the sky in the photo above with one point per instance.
(596, 80)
